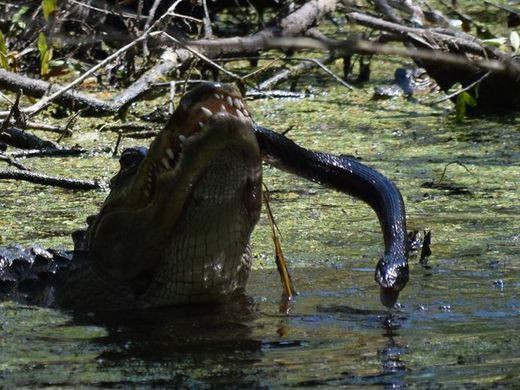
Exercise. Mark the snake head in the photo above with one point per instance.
(391, 275)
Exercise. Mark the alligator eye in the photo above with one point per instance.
(129, 162)
(132, 157)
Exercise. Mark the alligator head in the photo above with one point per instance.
(176, 224)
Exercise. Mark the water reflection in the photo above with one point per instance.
(249, 343)
(334, 334)
(392, 368)
(186, 346)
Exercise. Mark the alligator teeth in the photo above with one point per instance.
(201, 125)
(229, 100)
(170, 154)
(240, 114)
(222, 108)
(206, 112)
(166, 163)
(182, 138)
(217, 96)
(237, 103)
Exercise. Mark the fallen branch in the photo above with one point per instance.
(74, 100)
(173, 58)
(362, 46)
(39, 178)
(43, 127)
(431, 37)
(24, 140)
(430, 46)
(52, 152)
(293, 24)
(101, 107)
(38, 88)
(126, 127)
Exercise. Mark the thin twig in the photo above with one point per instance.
(118, 142)
(69, 123)
(151, 14)
(43, 103)
(187, 17)
(331, 74)
(148, 22)
(457, 163)
(43, 127)
(459, 91)
(104, 11)
(142, 134)
(12, 162)
(125, 126)
(264, 67)
(7, 120)
(202, 56)
(171, 105)
(6, 98)
(208, 32)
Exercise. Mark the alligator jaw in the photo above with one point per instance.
(135, 224)
(194, 111)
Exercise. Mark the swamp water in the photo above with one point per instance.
(458, 320)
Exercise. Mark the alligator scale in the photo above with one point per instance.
(175, 227)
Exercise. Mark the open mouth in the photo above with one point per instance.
(207, 146)
(188, 123)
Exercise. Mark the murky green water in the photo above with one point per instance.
(457, 324)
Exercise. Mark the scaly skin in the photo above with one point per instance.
(178, 230)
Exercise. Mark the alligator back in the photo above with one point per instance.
(30, 275)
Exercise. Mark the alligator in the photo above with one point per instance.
(407, 82)
(176, 225)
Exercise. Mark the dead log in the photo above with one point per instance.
(23, 140)
(40, 178)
